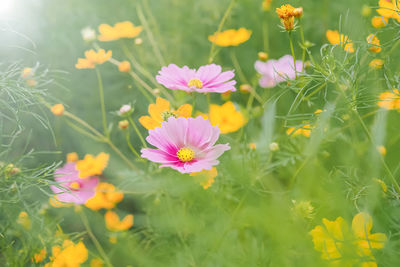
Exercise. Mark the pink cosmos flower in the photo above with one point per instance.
(276, 71)
(185, 144)
(207, 79)
(71, 188)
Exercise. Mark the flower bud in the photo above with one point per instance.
(123, 124)
(262, 56)
(125, 110)
(88, 34)
(124, 66)
(58, 109)
(245, 88)
(273, 146)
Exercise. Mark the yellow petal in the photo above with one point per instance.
(149, 123)
(184, 111)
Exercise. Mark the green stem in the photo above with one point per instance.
(137, 131)
(292, 50)
(103, 108)
(94, 239)
(128, 141)
(122, 156)
(314, 92)
(303, 44)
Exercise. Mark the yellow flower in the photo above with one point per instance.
(390, 100)
(266, 5)
(379, 22)
(230, 37)
(113, 223)
(27, 72)
(335, 38)
(54, 202)
(226, 117)
(93, 58)
(253, 146)
(207, 177)
(285, 11)
(106, 197)
(375, 43)
(72, 157)
(382, 184)
(305, 131)
(69, 255)
(58, 109)
(39, 257)
(376, 63)
(124, 66)
(381, 150)
(91, 166)
(389, 9)
(96, 262)
(120, 30)
(161, 111)
(23, 219)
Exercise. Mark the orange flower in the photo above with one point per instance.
(226, 117)
(69, 255)
(58, 109)
(106, 197)
(285, 11)
(91, 166)
(376, 63)
(93, 58)
(335, 38)
(72, 157)
(120, 30)
(160, 111)
(266, 5)
(124, 66)
(305, 131)
(113, 223)
(39, 257)
(389, 9)
(207, 177)
(379, 22)
(375, 43)
(390, 100)
(230, 37)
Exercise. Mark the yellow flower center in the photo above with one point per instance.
(196, 83)
(75, 185)
(185, 154)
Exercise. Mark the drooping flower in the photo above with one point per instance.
(58, 109)
(340, 39)
(376, 63)
(389, 9)
(39, 257)
(379, 22)
(206, 177)
(72, 188)
(375, 43)
(390, 100)
(113, 223)
(93, 58)
(106, 197)
(207, 79)
(120, 30)
(161, 111)
(230, 37)
(277, 71)
(91, 165)
(185, 144)
(88, 34)
(68, 255)
(226, 117)
(305, 130)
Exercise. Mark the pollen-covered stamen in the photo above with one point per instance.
(167, 114)
(195, 83)
(185, 154)
(75, 186)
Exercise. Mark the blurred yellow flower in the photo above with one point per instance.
(376, 63)
(226, 117)
(381, 150)
(335, 38)
(72, 157)
(379, 22)
(161, 111)
(389, 9)
(96, 262)
(230, 37)
(113, 223)
(39, 257)
(106, 197)
(207, 177)
(266, 5)
(24, 220)
(390, 100)
(124, 66)
(93, 58)
(375, 43)
(253, 146)
(58, 109)
(305, 131)
(120, 30)
(54, 202)
(382, 184)
(27, 72)
(91, 166)
(69, 255)
(366, 11)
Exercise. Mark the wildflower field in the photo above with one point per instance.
(200, 133)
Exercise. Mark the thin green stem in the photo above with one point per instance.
(137, 131)
(303, 44)
(121, 155)
(94, 239)
(103, 108)
(128, 141)
(292, 50)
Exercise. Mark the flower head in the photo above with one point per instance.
(389, 9)
(277, 71)
(161, 111)
(226, 117)
(93, 58)
(24, 220)
(376, 63)
(120, 30)
(207, 79)
(266, 5)
(375, 43)
(39, 257)
(230, 37)
(185, 144)
(113, 223)
(69, 254)
(285, 11)
(125, 110)
(390, 100)
(72, 188)
(58, 109)
(305, 131)
(340, 39)
(124, 66)
(379, 21)
(72, 157)
(106, 197)
(91, 165)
